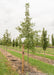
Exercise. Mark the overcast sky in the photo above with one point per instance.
(12, 14)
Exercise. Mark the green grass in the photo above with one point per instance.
(5, 69)
(42, 55)
(44, 67)
(38, 54)
(38, 50)
(15, 48)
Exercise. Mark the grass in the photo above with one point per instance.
(38, 54)
(38, 50)
(44, 67)
(5, 68)
(42, 55)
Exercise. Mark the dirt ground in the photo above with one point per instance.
(17, 64)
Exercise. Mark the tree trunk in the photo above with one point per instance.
(28, 59)
(44, 53)
(6, 50)
(23, 60)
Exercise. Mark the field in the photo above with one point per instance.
(26, 40)
(38, 62)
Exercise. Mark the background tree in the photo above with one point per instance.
(0, 41)
(48, 41)
(37, 38)
(6, 38)
(19, 42)
(13, 43)
(16, 42)
(44, 40)
(52, 40)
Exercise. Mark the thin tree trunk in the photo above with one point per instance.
(23, 60)
(28, 59)
(6, 50)
(44, 53)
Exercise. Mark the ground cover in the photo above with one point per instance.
(38, 54)
(44, 67)
(5, 68)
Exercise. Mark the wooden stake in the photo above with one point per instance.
(23, 59)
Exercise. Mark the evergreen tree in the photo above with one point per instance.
(44, 40)
(52, 40)
(13, 43)
(16, 42)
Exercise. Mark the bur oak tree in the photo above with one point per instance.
(26, 30)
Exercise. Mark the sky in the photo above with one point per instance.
(12, 13)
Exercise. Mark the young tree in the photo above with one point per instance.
(26, 29)
(6, 38)
(37, 38)
(16, 43)
(19, 42)
(52, 40)
(0, 41)
(44, 40)
(48, 41)
(13, 43)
